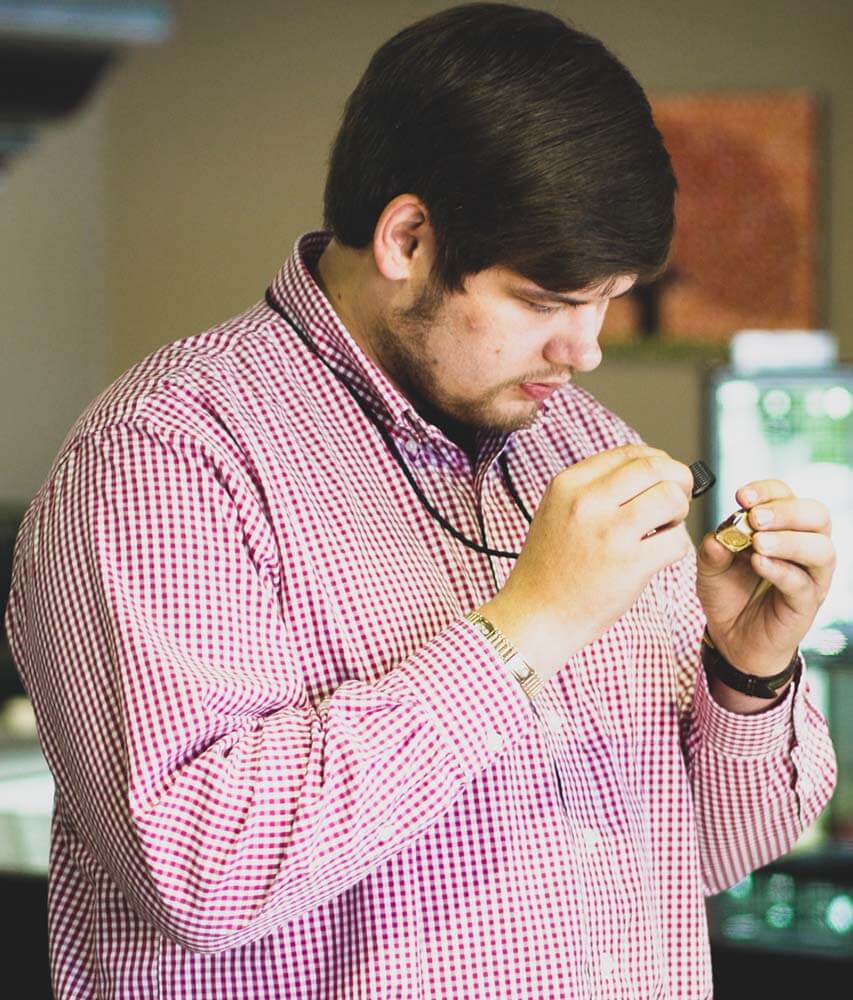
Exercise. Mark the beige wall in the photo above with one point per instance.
(54, 340)
(213, 147)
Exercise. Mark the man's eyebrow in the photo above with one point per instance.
(544, 295)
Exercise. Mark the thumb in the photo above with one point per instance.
(712, 557)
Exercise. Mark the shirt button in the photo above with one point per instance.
(553, 721)
(386, 832)
(494, 740)
(591, 837)
(411, 446)
(607, 963)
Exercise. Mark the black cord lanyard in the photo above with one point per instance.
(271, 302)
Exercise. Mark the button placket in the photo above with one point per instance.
(568, 821)
(552, 724)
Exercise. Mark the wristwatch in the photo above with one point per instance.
(531, 683)
(716, 665)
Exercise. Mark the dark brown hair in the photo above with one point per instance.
(531, 145)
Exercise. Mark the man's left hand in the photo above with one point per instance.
(792, 550)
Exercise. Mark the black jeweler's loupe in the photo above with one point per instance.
(703, 478)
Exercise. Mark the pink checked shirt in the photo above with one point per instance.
(287, 767)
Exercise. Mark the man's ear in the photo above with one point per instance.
(403, 238)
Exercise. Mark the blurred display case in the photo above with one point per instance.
(795, 425)
(10, 519)
(26, 785)
(799, 905)
(26, 805)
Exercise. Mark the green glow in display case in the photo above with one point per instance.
(797, 425)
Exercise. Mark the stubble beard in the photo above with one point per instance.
(404, 339)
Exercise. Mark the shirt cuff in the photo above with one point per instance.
(478, 706)
(757, 735)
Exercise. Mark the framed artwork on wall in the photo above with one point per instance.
(746, 252)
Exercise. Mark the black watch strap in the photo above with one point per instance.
(716, 665)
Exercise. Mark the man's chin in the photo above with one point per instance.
(495, 419)
(513, 422)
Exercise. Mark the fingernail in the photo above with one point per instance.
(763, 516)
(750, 496)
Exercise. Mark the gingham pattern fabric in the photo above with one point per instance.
(287, 767)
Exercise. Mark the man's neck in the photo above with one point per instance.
(334, 280)
(338, 274)
(464, 436)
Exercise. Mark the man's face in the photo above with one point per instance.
(461, 359)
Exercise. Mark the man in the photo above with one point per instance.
(255, 601)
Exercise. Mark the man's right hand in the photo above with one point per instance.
(604, 527)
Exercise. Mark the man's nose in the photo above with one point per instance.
(576, 344)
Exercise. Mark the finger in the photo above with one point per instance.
(762, 490)
(659, 506)
(793, 513)
(628, 482)
(601, 464)
(796, 586)
(712, 557)
(668, 546)
(812, 551)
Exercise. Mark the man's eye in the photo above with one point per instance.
(538, 307)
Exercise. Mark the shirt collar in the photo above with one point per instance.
(296, 292)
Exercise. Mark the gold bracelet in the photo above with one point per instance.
(531, 683)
